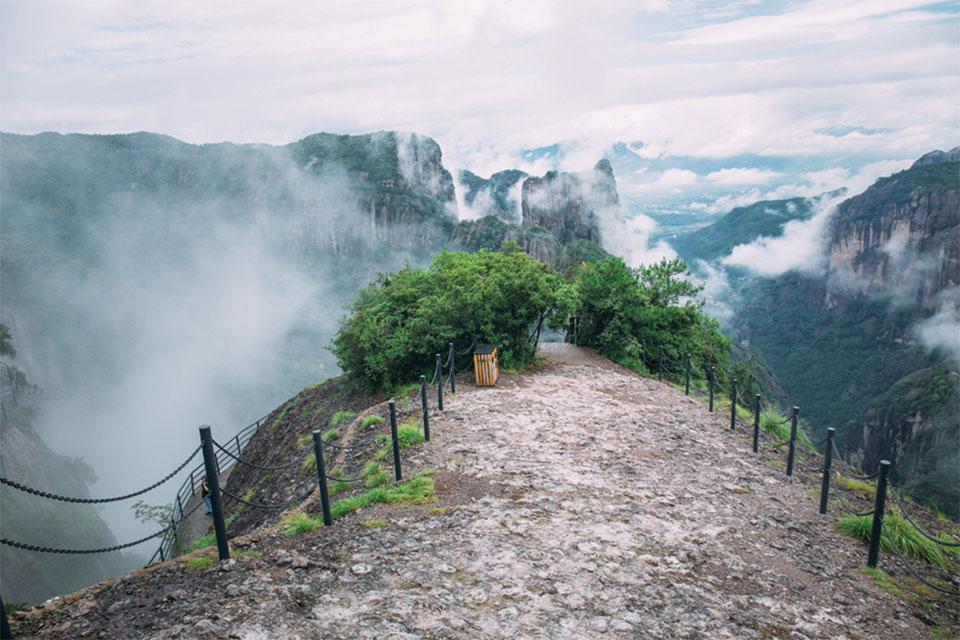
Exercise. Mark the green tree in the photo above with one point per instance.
(400, 321)
(622, 309)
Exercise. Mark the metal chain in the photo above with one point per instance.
(848, 469)
(944, 543)
(916, 576)
(31, 547)
(260, 505)
(846, 506)
(53, 496)
(339, 446)
(252, 465)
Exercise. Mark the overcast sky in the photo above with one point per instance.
(748, 95)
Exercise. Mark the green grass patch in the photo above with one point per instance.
(416, 490)
(200, 562)
(250, 495)
(297, 522)
(249, 553)
(884, 581)
(860, 486)
(283, 414)
(310, 462)
(342, 416)
(910, 541)
(776, 424)
(330, 435)
(406, 389)
(409, 434)
(371, 421)
(303, 441)
(210, 538)
(376, 524)
(373, 475)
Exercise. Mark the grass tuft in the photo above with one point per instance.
(868, 488)
(310, 462)
(376, 524)
(371, 421)
(416, 490)
(297, 522)
(342, 416)
(283, 414)
(910, 541)
(772, 421)
(409, 434)
(200, 562)
(373, 475)
(330, 435)
(303, 441)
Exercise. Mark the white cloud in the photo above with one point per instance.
(801, 247)
(941, 331)
(741, 176)
(686, 78)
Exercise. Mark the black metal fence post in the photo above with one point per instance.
(426, 410)
(5, 633)
(213, 485)
(322, 477)
(686, 386)
(439, 384)
(192, 489)
(237, 438)
(827, 461)
(396, 440)
(792, 445)
(713, 377)
(756, 423)
(453, 370)
(733, 405)
(878, 505)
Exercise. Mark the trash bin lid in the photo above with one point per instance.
(484, 349)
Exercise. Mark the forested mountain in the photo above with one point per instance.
(868, 344)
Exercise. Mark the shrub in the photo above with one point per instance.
(400, 321)
(621, 309)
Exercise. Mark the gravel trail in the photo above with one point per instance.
(575, 501)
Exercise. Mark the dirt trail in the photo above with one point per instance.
(576, 501)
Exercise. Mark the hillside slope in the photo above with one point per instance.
(572, 501)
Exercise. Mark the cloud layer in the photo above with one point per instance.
(855, 81)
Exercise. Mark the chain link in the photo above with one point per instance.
(53, 496)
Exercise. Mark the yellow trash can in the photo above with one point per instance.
(485, 367)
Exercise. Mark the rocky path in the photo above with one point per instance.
(577, 501)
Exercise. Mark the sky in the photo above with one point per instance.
(713, 103)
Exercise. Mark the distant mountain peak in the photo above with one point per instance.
(938, 156)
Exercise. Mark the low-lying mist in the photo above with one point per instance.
(148, 300)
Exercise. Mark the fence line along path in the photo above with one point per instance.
(575, 501)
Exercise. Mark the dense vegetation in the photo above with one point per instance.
(401, 320)
(622, 309)
(502, 297)
(741, 225)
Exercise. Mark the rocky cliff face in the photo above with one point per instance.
(557, 210)
(851, 346)
(900, 237)
(915, 424)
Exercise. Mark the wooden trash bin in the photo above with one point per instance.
(485, 367)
